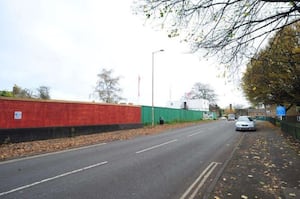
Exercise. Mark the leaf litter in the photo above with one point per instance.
(265, 165)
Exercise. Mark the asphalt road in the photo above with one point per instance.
(175, 164)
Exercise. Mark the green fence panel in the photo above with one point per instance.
(169, 115)
(263, 118)
(290, 128)
(272, 120)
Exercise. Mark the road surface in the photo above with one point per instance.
(178, 163)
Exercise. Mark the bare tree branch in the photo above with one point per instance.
(227, 28)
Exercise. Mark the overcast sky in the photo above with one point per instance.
(64, 44)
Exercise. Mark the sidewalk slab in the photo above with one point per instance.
(265, 165)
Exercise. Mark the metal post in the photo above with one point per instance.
(152, 108)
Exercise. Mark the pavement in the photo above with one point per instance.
(265, 164)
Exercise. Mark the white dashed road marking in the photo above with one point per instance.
(156, 146)
(53, 178)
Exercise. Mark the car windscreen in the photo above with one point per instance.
(243, 119)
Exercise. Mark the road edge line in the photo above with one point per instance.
(52, 178)
(214, 182)
(50, 153)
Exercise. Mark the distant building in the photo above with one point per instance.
(258, 112)
(292, 114)
(191, 104)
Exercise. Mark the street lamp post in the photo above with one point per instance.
(153, 53)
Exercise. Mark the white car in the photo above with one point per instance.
(245, 123)
(222, 118)
(231, 117)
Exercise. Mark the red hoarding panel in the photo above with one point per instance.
(16, 113)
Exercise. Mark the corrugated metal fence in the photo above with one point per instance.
(169, 115)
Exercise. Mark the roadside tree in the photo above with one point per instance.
(43, 92)
(107, 87)
(273, 76)
(22, 93)
(203, 91)
(5, 93)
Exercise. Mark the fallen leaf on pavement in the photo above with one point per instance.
(292, 194)
(244, 197)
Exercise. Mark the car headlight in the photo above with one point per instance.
(251, 125)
